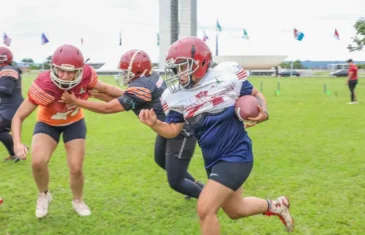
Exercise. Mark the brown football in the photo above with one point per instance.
(246, 106)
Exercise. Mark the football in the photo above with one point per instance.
(246, 106)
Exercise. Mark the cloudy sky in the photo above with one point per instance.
(269, 24)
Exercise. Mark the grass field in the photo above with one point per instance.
(311, 149)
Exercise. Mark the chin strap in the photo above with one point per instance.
(191, 83)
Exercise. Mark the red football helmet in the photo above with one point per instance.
(133, 64)
(68, 58)
(6, 57)
(187, 56)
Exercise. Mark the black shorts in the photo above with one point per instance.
(181, 147)
(76, 130)
(352, 84)
(230, 174)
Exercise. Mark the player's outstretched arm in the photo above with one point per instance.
(101, 96)
(24, 110)
(164, 129)
(113, 106)
(108, 89)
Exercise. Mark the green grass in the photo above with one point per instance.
(311, 149)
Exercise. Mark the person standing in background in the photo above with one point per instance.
(352, 80)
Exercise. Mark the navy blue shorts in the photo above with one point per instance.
(76, 130)
(230, 174)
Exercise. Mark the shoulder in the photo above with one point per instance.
(231, 67)
(44, 82)
(43, 90)
(9, 71)
(89, 76)
(167, 96)
(88, 70)
(151, 82)
(139, 89)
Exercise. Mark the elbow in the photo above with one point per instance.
(16, 119)
(170, 135)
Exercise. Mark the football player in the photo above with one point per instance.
(205, 98)
(10, 98)
(68, 72)
(145, 88)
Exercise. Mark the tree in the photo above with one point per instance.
(297, 64)
(47, 64)
(287, 65)
(359, 39)
(27, 61)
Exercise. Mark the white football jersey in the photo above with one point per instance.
(217, 90)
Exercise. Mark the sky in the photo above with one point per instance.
(269, 24)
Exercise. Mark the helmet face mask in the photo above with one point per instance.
(124, 77)
(67, 58)
(3, 59)
(178, 73)
(62, 83)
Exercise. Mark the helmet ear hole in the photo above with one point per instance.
(203, 63)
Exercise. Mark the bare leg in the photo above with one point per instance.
(42, 148)
(75, 157)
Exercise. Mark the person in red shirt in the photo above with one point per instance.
(352, 80)
(68, 73)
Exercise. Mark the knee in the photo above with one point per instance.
(233, 215)
(160, 162)
(75, 170)
(39, 160)
(174, 183)
(204, 211)
(38, 164)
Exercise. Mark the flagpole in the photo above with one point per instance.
(216, 43)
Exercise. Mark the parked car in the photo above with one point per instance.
(340, 73)
(289, 72)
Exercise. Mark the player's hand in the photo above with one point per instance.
(249, 124)
(69, 98)
(148, 117)
(20, 151)
(260, 118)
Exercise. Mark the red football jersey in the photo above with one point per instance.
(353, 69)
(47, 95)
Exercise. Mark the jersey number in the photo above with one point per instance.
(64, 115)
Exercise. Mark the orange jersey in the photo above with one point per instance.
(47, 95)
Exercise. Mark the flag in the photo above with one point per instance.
(158, 39)
(7, 40)
(298, 35)
(120, 38)
(44, 39)
(336, 35)
(218, 26)
(245, 35)
(205, 36)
